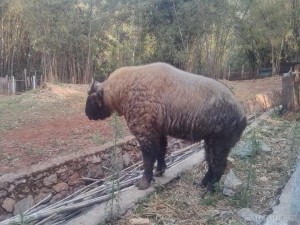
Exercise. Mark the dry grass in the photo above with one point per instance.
(263, 175)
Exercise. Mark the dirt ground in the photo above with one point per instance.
(46, 124)
(50, 122)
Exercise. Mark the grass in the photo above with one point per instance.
(243, 198)
(23, 220)
(30, 149)
(113, 206)
(98, 139)
(57, 143)
(209, 201)
(15, 110)
(210, 220)
(180, 201)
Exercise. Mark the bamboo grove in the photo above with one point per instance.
(74, 40)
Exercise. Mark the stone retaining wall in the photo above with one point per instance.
(20, 191)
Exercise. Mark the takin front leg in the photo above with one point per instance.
(149, 150)
(216, 152)
(161, 164)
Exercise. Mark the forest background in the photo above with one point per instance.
(74, 40)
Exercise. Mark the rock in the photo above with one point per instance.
(4, 217)
(118, 162)
(74, 179)
(225, 215)
(59, 196)
(62, 169)
(214, 213)
(3, 193)
(264, 147)
(61, 187)
(41, 196)
(50, 180)
(242, 149)
(25, 189)
(274, 202)
(77, 188)
(249, 216)
(104, 156)
(65, 175)
(20, 181)
(8, 204)
(139, 221)
(37, 176)
(263, 179)
(94, 171)
(93, 159)
(117, 150)
(127, 159)
(23, 205)
(11, 188)
(245, 149)
(231, 184)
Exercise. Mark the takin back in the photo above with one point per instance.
(159, 100)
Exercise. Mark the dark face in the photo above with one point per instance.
(94, 107)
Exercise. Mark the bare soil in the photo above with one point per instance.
(40, 125)
(46, 124)
(50, 122)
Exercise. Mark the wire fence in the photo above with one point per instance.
(12, 85)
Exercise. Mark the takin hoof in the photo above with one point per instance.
(202, 184)
(209, 190)
(143, 183)
(160, 172)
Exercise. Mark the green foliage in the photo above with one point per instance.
(98, 139)
(70, 41)
(113, 208)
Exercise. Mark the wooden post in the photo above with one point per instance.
(13, 83)
(25, 78)
(33, 82)
(228, 73)
(7, 81)
(296, 86)
(243, 70)
(290, 92)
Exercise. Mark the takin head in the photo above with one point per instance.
(95, 108)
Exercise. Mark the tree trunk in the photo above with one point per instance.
(290, 92)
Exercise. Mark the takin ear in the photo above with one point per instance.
(96, 87)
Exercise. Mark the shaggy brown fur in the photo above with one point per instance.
(159, 100)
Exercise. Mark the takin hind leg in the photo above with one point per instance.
(216, 151)
(161, 164)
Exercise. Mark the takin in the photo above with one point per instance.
(159, 100)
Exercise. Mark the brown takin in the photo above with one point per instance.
(159, 100)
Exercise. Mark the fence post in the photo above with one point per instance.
(243, 70)
(228, 73)
(25, 76)
(13, 83)
(7, 81)
(33, 82)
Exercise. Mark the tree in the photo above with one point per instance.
(74, 40)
